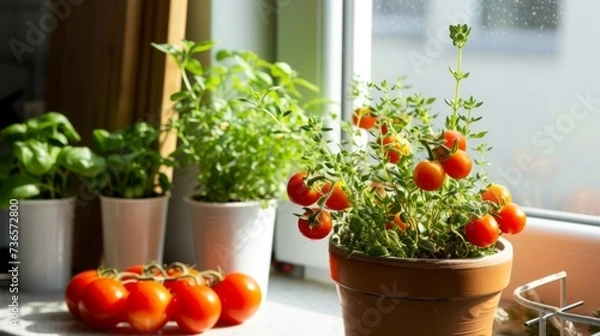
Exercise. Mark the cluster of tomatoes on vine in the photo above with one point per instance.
(449, 159)
(148, 296)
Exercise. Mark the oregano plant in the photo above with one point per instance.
(239, 122)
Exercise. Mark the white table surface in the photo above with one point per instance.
(293, 307)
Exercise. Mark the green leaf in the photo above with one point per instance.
(166, 48)
(194, 66)
(202, 46)
(223, 54)
(63, 123)
(18, 187)
(427, 245)
(14, 132)
(177, 96)
(303, 82)
(164, 182)
(107, 142)
(82, 161)
(281, 69)
(37, 157)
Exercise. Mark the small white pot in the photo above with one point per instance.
(45, 244)
(236, 237)
(133, 230)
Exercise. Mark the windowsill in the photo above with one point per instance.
(293, 307)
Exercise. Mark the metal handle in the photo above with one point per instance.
(546, 311)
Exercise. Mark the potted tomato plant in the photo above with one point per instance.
(415, 247)
(239, 126)
(35, 181)
(133, 194)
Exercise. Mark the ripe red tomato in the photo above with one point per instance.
(429, 175)
(482, 231)
(195, 308)
(511, 218)
(147, 306)
(451, 137)
(395, 147)
(240, 297)
(102, 303)
(299, 192)
(75, 288)
(338, 199)
(317, 229)
(497, 193)
(458, 165)
(396, 223)
(363, 118)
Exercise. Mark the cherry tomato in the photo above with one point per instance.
(195, 308)
(75, 288)
(511, 218)
(458, 165)
(482, 231)
(299, 192)
(240, 297)
(338, 199)
(395, 147)
(363, 118)
(319, 228)
(102, 303)
(147, 306)
(497, 193)
(451, 137)
(429, 175)
(396, 223)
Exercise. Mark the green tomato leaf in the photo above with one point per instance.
(427, 245)
(82, 161)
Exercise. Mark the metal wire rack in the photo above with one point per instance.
(547, 312)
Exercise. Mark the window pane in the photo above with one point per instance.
(534, 63)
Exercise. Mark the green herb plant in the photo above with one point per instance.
(133, 162)
(409, 191)
(239, 122)
(42, 162)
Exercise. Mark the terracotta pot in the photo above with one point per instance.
(395, 296)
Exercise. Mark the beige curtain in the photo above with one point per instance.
(102, 72)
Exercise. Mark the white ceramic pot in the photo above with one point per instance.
(236, 237)
(133, 230)
(45, 244)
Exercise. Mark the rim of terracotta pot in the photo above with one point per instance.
(191, 200)
(133, 200)
(458, 273)
(504, 247)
